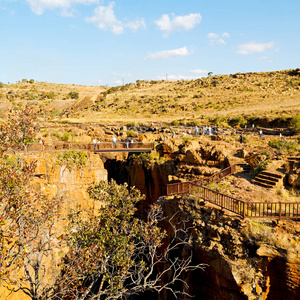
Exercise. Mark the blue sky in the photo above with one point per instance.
(99, 42)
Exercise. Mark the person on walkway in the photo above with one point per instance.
(114, 140)
(260, 133)
(98, 144)
(253, 127)
(173, 135)
(197, 130)
(95, 143)
(209, 130)
(241, 138)
(127, 143)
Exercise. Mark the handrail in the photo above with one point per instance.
(90, 146)
(215, 177)
(287, 210)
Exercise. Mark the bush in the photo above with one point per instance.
(71, 159)
(261, 166)
(131, 133)
(174, 123)
(66, 136)
(238, 121)
(283, 145)
(295, 122)
(73, 95)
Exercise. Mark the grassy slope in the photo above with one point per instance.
(269, 94)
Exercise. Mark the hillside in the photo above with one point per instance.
(265, 94)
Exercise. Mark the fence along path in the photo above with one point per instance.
(102, 147)
(288, 210)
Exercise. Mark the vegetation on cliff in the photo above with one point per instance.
(107, 252)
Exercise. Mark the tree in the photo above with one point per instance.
(27, 222)
(113, 255)
(19, 131)
(27, 217)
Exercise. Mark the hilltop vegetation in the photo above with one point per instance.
(216, 98)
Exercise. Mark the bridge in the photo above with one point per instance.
(103, 147)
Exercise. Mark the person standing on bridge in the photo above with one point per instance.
(98, 144)
(95, 143)
(114, 140)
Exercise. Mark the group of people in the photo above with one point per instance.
(96, 143)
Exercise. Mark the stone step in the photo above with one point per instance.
(271, 174)
(265, 177)
(265, 185)
(264, 181)
(297, 158)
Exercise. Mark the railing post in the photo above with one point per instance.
(178, 188)
(244, 210)
(222, 201)
(279, 210)
(189, 187)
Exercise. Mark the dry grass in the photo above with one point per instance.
(264, 233)
(265, 94)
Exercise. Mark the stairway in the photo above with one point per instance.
(242, 165)
(268, 179)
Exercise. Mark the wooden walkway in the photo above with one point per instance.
(245, 209)
(104, 147)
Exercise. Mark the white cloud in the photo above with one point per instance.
(254, 47)
(263, 58)
(178, 23)
(105, 19)
(212, 36)
(217, 39)
(39, 6)
(135, 25)
(166, 54)
(174, 77)
(199, 71)
(118, 82)
(121, 74)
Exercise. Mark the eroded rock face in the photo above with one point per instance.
(238, 267)
(56, 180)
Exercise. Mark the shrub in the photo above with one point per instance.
(66, 136)
(295, 122)
(73, 95)
(238, 121)
(283, 145)
(148, 159)
(131, 133)
(261, 166)
(174, 123)
(71, 159)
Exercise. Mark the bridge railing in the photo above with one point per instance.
(185, 187)
(89, 146)
(280, 210)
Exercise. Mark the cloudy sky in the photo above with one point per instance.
(100, 42)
